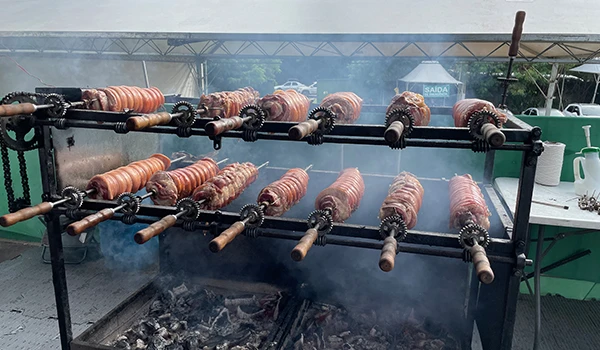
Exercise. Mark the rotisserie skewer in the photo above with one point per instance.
(469, 213)
(334, 204)
(339, 107)
(214, 194)
(482, 118)
(273, 200)
(398, 213)
(183, 113)
(54, 105)
(405, 111)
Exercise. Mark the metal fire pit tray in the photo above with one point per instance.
(104, 332)
(328, 326)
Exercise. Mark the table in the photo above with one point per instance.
(544, 215)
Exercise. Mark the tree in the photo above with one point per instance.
(231, 74)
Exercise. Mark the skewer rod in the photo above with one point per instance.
(222, 161)
(566, 207)
(308, 167)
(263, 164)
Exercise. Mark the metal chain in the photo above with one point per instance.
(24, 178)
(8, 185)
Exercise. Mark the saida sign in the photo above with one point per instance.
(436, 90)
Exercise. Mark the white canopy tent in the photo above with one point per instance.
(592, 69)
(432, 72)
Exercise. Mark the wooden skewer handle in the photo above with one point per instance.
(218, 243)
(493, 135)
(140, 122)
(482, 264)
(300, 131)
(25, 214)
(516, 34)
(17, 109)
(80, 226)
(306, 242)
(394, 132)
(388, 254)
(217, 127)
(155, 229)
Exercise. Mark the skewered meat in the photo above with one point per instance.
(464, 109)
(129, 178)
(404, 198)
(226, 186)
(118, 98)
(415, 104)
(229, 103)
(285, 192)
(343, 196)
(346, 106)
(467, 202)
(285, 106)
(171, 186)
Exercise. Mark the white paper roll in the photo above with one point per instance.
(550, 164)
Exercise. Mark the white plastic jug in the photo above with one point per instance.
(590, 162)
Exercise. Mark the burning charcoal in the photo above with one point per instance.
(164, 317)
(156, 306)
(241, 301)
(180, 291)
(122, 343)
(163, 332)
(140, 345)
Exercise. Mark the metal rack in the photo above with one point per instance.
(492, 306)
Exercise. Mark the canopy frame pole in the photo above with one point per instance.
(551, 88)
(596, 88)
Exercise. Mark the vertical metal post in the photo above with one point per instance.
(488, 169)
(59, 278)
(596, 88)
(551, 87)
(201, 76)
(538, 292)
(145, 74)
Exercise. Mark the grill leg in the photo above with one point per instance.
(59, 279)
(538, 293)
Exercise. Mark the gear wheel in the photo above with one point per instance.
(394, 224)
(75, 197)
(256, 114)
(191, 207)
(19, 124)
(479, 118)
(402, 115)
(327, 118)
(323, 219)
(188, 111)
(132, 203)
(472, 232)
(254, 214)
(59, 106)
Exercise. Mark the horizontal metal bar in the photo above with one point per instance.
(297, 225)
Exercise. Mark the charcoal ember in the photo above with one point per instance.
(329, 327)
(184, 318)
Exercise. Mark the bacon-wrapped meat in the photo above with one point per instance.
(464, 109)
(467, 202)
(129, 178)
(226, 186)
(404, 198)
(343, 196)
(284, 193)
(171, 186)
(118, 98)
(285, 106)
(229, 103)
(415, 103)
(346, 106)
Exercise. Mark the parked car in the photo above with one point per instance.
(582, 110)
(310, 90)
(542, 111)
(291, 84)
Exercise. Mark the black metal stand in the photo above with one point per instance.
(492, 306)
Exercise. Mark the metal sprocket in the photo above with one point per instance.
(256, 114)
(402, 115)
(21, 125)
(323, 219)
(252, 211)
(59, 104)
(191, 208)
(327, 118)
(75, 197)
(479, 118)
(188, 111)
(472, 231)
(394, 224)
(132, 203)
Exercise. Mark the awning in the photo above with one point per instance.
(430, 72)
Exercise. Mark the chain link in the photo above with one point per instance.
(24, 178)
(8, 184)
